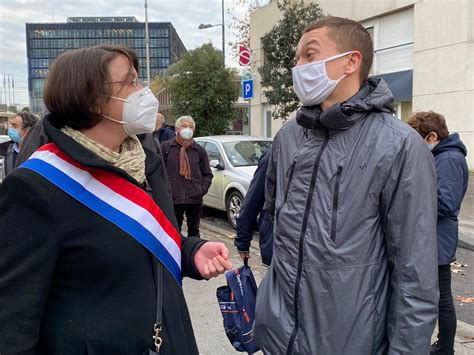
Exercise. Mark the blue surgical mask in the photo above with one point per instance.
(14, 135)
(431, 146)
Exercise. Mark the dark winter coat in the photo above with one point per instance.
(252, 213)
(354, 268)
(187, 191)
(453, 176)
(72, 282)
(9, 155)
(165, 133)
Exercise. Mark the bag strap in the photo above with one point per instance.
(157, 340)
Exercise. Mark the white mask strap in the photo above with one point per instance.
(110, 118)
(336, 56)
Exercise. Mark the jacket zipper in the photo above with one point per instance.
(335, 203)
(289, 175)
(309, 198)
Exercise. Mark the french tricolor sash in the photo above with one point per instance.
(114, 198)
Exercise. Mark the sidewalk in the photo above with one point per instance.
(206, 317)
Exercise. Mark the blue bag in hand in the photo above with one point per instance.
(237, 304)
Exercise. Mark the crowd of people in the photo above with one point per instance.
(357, 213)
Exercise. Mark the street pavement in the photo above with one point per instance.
(207, 320)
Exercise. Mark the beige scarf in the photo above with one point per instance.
(131, 158)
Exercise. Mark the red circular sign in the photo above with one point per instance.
(245, 55)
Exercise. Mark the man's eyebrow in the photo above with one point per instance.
(311, 41)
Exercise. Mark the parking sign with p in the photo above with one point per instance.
(247, 89)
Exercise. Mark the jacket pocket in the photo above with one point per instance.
(335, 203)
(289, 175)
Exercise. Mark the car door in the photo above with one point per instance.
(215, 195)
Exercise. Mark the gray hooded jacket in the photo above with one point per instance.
(354, 267)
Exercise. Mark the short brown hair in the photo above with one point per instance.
(425, 122)
(75, 84)
(348, 35)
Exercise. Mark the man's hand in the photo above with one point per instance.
(212, 259)
(244, 255)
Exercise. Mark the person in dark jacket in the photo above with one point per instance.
(99, 260)
(354, 195)
(189, 174)
(163, 132)
(452, 174)
(19, 126)
(252, 214)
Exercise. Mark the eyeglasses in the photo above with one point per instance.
(135, 83)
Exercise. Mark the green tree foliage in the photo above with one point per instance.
(279, 46)
(200, 86)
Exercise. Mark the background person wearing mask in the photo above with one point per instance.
(189, 174)
(354, 193)
(19, 126)
(452, 175)
(163, 132)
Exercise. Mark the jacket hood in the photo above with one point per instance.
(373, 96)
(452, 142)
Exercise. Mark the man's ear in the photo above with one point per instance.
(354, 62)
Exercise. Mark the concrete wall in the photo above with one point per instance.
(443, 69)
(443, 75)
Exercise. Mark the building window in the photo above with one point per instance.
(393, 42)
(267, 121)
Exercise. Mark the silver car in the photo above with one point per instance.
(233, 161)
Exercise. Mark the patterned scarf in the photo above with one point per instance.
(184, 167)
(131, 158)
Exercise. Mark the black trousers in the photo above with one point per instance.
(447, 312)
(193, 217)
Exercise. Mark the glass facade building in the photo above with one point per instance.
(45, 41)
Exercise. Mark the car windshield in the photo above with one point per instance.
(245, 153)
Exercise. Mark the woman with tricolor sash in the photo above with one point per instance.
(95, 265)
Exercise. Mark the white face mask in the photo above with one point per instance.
(311, 82)
(139, 112)
(186, 133)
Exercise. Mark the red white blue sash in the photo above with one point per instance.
(114, 198)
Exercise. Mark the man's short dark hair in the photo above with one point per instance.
(425, 122)
(28, 119)
(348, 35)
(76, 84)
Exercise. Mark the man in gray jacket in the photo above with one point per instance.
(353, 188)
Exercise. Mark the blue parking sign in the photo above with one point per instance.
(247, 89)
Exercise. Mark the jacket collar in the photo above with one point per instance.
(175, 143)
(373, 96)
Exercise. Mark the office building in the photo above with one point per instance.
(45, 41)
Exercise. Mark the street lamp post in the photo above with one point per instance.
(203, 26)
(147, 46)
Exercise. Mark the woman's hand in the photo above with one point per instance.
(212, 259)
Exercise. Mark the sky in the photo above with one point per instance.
(185, 15)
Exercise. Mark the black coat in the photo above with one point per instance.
(251, 211)
(72, 282)
(187, 191)
(10, 156)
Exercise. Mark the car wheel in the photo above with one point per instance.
(233, 205)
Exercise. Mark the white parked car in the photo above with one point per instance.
(233, 161)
